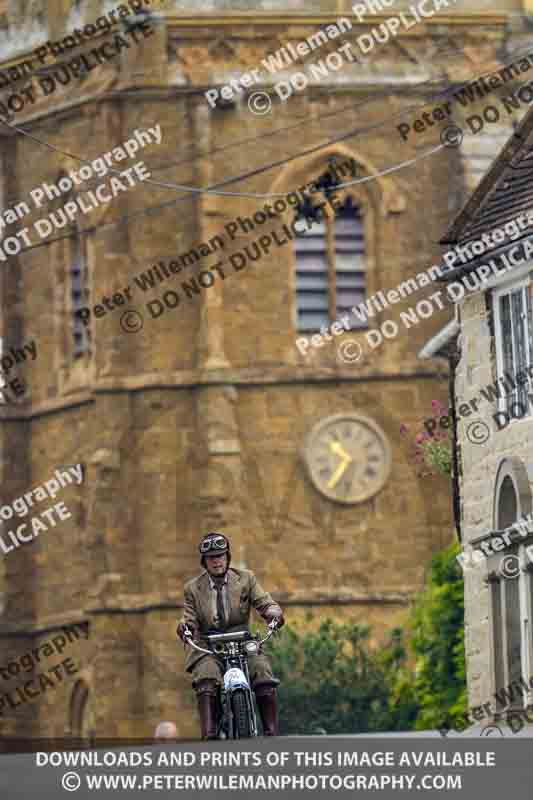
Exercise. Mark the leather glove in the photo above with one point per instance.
(275, 615)
(180, 630)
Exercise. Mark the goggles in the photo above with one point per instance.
(215, 543)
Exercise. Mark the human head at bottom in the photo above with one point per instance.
(166, 730)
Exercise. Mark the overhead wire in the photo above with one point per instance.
(231, 145)
(188, 191)
(251, 173)
(214, 190)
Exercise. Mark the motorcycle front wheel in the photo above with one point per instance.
(242, 728)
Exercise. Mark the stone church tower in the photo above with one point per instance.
(209, 416)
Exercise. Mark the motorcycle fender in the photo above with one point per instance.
(235, 679)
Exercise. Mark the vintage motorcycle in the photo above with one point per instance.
(236, 717)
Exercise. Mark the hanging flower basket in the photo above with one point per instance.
(432, 452)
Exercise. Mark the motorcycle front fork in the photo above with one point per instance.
(226, 715)
(250, 699)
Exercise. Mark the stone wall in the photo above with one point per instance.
(479, 470)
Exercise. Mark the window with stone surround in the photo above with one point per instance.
(75, 278)
(511, 597)
(511, 606)
(81, 714)
(330, 269)
(514, 345)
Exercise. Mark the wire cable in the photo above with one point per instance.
(243, 176)
(250, 173)
(215, 190)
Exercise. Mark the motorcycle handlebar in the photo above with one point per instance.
(188, 638)
(272, 627)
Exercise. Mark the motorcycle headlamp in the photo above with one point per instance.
(251, 648)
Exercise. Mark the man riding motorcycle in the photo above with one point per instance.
(219, 601)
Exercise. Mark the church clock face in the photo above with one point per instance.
(348, 458)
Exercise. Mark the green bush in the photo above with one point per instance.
(437, 639)
(333, 683)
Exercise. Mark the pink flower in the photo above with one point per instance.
(437, 406)
(403, 428)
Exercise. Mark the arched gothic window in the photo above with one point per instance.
(81, 718)
(330, 269)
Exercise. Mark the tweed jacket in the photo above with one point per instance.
(244, 593)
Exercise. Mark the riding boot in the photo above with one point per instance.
(268, 709)
(207, 707)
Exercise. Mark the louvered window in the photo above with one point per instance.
(79, 289)
(330, 269)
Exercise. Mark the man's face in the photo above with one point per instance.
(217, 565)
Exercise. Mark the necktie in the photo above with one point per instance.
(220, 607)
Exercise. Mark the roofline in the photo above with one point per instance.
(451, 273)
(518, 144)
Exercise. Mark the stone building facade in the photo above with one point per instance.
(495, 434)
(209, 416)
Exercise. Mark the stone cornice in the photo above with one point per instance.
(165, 92)
(252, 376)
(142, 604)
(265, 18)
(192, 31)
(76, 617)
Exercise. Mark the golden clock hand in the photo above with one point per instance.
(337, 475)
(339, 450)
